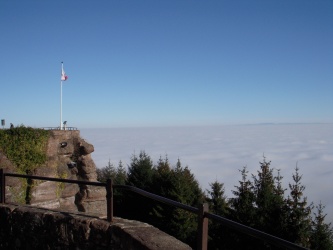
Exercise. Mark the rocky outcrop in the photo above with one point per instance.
(68, 157)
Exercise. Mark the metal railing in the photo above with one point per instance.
(58, 128)
(107, 185)
(202, 211)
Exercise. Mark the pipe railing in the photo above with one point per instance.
(58, 128)
(202, 211)
(107, 185)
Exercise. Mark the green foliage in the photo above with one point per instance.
(217, 200)
(243, 203)
(118, 175)
(220, 237)
(140, 172)
(321, 233)
(24, 146)
(258, 202)
(243, 211)
(178, 184)
(108, 172)
(269, 200)
(121, 174)
(299, 213)
(261, 204)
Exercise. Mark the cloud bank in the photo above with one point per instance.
(218, 152)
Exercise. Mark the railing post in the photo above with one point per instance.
(202, 227)
(109, 200)
(2, 186)
(29, 189)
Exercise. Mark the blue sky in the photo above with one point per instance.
(166, 63)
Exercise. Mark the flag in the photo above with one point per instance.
(63, 75)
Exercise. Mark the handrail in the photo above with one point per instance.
(253, 232)
(107, 185)
(158, 198)
(58, 128)
(202, 212)
(232, 224)
(35, 177)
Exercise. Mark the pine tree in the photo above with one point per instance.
(162, 176)
(219, 234)
(217, 200)
(243, 202)
(121, 174)
(321, 233)
(184, 188)
(299, 220)
(119, 195)
(140, 174)
(108, 172)
(162, 187)
(269, 200)
(243, 211)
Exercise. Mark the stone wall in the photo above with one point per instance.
(25, 227)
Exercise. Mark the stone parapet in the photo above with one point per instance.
(26, 227)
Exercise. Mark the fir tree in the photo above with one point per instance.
(121, 174)
(140, 174)
(321, 233)
(269, 200)
(184, 188)
(162, 176)
(218, 233)
(108, 172)
(162, 187)
(298, 220)
(217, 200)
(140, 171)
(119, 195)
(243, 211)
(243, 202)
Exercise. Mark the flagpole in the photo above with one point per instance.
(62, 69)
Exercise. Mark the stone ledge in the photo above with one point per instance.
(26, 227)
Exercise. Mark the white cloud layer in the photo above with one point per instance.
(217, 153)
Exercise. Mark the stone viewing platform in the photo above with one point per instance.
(27, 227)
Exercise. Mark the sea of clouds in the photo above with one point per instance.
(219, 152)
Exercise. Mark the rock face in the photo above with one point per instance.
(68, 157)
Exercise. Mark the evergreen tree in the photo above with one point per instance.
(217, 200)
(119, 195)
(281, 207)
(218, 233)
(182, 187)
(162, 186)
(321, 233)
(243, 202)
(162, 177)
(121, 174)
(269, 200)
(299, 220)
(185, 188)
(108, 172)
(243, 211)
(140, 172)
(140, 175)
